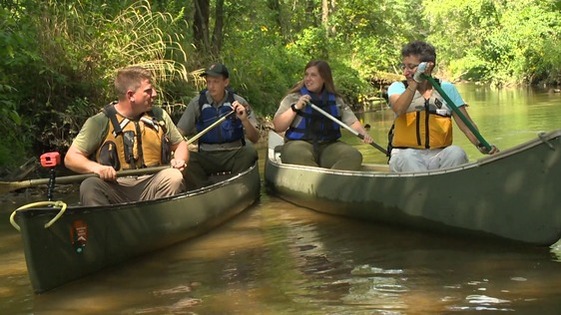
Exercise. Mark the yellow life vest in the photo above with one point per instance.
(427, 124)
(131, 144)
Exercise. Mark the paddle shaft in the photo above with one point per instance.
(351, 130)
(11, 186)
(207, 129)
(458, 112)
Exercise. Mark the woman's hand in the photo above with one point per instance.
(367, 139)
(302, 101)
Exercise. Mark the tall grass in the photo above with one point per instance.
(60, 57)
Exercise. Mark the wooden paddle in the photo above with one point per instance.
(340, 123)
(454, 108)
(11, 186)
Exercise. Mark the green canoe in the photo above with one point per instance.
(84, 240)
(513, 195)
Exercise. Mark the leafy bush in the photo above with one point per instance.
(63, 61)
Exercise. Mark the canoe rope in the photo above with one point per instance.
(60, 204)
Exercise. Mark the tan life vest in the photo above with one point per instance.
(131, 144)
(427, 124)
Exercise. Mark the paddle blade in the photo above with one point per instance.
(6, 187)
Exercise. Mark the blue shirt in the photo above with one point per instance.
(398, 88)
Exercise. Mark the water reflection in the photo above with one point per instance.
(402, 271)
(280, 259)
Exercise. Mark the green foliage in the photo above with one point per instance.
(369, 34)
(503, 42)
(13, 143)
(263, 76)
(312, 44)
(350, 85)
(62, 59)
(58, 58)
(548, 69)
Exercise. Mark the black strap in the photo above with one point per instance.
(110, 111)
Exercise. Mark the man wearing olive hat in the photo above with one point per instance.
(224, 148)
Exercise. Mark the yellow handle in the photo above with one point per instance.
(60, 204)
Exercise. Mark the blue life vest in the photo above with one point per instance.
(229, 130)
(311, 125)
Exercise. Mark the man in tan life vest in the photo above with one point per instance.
(129, 134)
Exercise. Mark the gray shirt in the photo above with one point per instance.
(187, 122)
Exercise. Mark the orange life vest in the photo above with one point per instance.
(427, 124)
(131, 144)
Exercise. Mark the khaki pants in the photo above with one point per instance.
(203, 164)
(95, 191)
(334, 155)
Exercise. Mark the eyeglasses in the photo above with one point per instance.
(408, 67)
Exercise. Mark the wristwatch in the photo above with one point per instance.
(294, 109)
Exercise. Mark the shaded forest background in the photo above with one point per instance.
(58, 58)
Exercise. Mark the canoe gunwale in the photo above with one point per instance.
(542, 138)
(144, 203)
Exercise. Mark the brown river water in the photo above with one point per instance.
(278, 258)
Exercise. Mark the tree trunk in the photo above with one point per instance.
(218, 28)
(275, 6)
(200, 25)
(332, 8)
(324, 13)
(309, 11)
